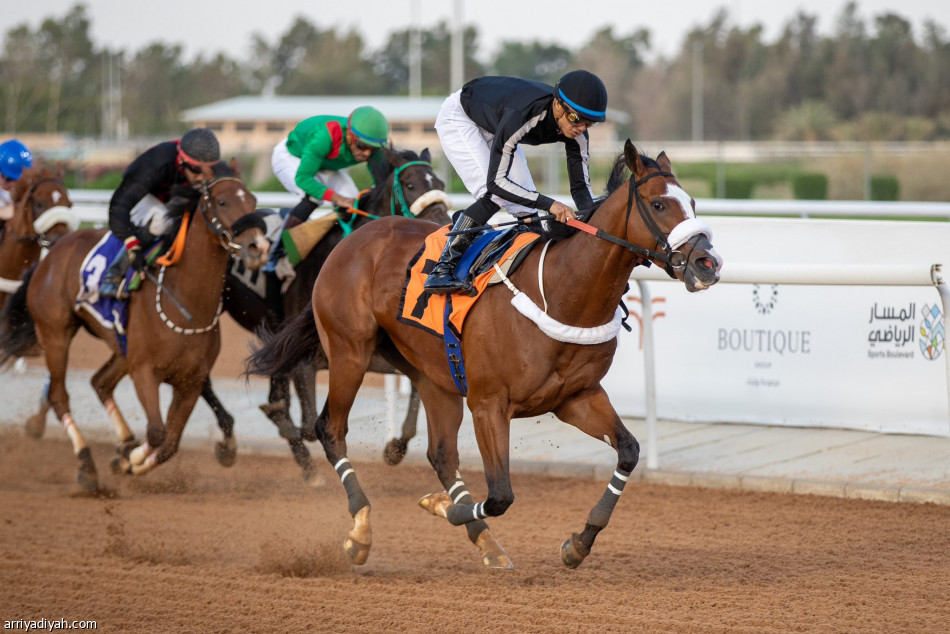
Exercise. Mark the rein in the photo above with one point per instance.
(672, 260)
(398, 196)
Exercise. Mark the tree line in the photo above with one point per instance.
(865, 81)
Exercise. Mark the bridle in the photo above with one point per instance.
(397, 197)
(207, 206)
(41, 228)
(673, 260)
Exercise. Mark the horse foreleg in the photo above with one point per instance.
(225, 450)
(445, 417)
(396, 448)
(595, 416)
(104, 382)
(146, 387)
(179, 410)
(36, 424)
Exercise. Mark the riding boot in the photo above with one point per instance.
(297, 216)
(442, 280)
(113, 280)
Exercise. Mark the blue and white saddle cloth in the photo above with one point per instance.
(108, 311)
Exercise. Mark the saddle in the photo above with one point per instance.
(419, 308)
(444, 315)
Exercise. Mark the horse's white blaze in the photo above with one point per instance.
(685, 200)
(56, 197)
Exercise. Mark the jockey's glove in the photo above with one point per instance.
(136, 257)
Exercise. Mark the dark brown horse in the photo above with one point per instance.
(174, 341)
(41, 215)
(514, 368)
(407, 186)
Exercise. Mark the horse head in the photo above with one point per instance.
(413, 188)
(42, 207)
(229, 209)
(666, 217)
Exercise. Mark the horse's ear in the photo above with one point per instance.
(235, 166)
(22, 184)
(632, 156)
(664, 162)
(425, 156)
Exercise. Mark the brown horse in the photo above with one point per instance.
(173, 336)
(514, 368)
(41, 215)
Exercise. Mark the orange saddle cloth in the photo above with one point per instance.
(427, 311)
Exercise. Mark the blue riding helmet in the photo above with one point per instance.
(14, 158)
(584, 92)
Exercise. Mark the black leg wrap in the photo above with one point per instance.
(600, 514)
(354, 492)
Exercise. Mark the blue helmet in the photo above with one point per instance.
(14, 158)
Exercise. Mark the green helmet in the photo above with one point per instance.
(369, 125)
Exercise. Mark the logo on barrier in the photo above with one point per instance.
(931, 332)
(764, 301)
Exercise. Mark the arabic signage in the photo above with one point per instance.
(830, 356)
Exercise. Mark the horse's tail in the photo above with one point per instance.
(279, 352)
(17, 332)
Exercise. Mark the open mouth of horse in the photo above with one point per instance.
(249, 235)
(702, 264)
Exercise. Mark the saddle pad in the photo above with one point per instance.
(427, 311)
(300, 240)
(111, 313)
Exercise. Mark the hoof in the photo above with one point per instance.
(395, 451)
(120, 465)
(493, 555)
(87, 477)
(36, 425)
(313, 477)
(572, 552)
(436, 503)
(126, 447)
(225, 453)
(357, 552)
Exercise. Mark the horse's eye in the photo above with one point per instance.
(410, 186)
(657, 205)
(222, 202)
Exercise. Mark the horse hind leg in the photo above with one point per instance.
(104, 382)
(350, 355)
(396, 448)
(305, 378)
(36, 424)
(57, 349)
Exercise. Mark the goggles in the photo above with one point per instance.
(574, 118)
(190, 164)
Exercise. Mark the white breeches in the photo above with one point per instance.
(468, 149)
(285, 166)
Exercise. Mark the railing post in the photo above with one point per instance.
(649, 374)
(937, 277)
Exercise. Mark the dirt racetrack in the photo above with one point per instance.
(194, 547)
